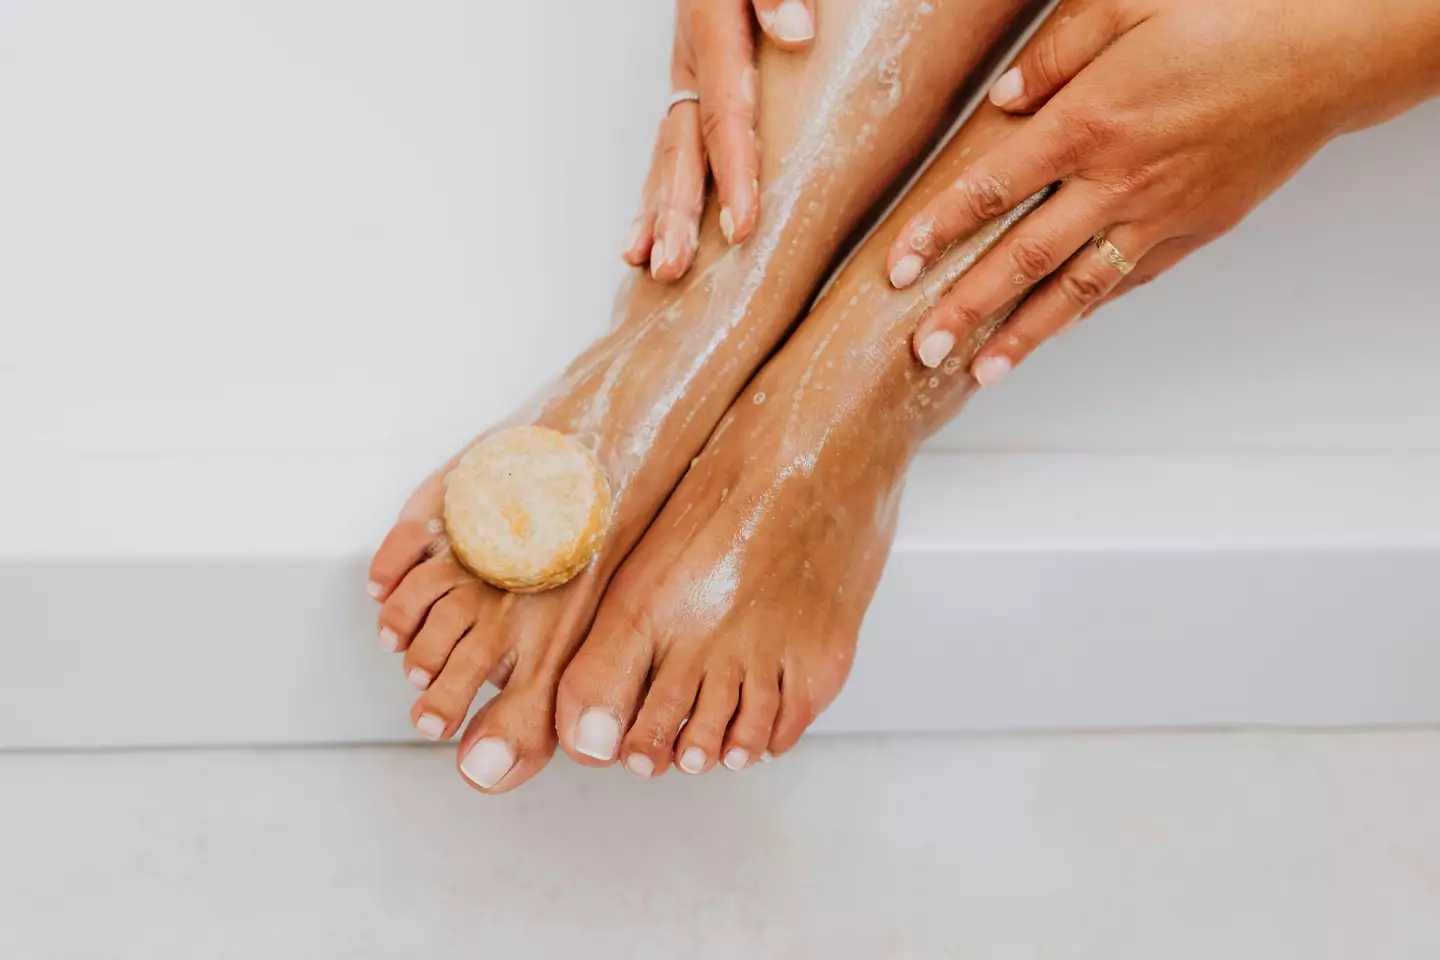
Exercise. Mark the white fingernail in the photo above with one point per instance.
(373, 590)
(692, 760)
(597, 734)
(389, 640)
(1009, 88)
(430, 726)
(632, 237)
(640, 765)
(419, 678)
(727, 224)
(906, 271)
(936, 347)
(487, 762)
(737, 759)
(991, 371)
(792, 22)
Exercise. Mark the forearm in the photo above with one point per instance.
(1398, 60)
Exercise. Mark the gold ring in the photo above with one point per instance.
(1112, 254)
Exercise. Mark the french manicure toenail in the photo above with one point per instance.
(488, 762)
(389, 640)
(936, 347)
(990, 371)
(737, 759)
(907, 271)
(766, 757)
(1009, 88)
(597, 734)
(640, 765)
(793, 22)
(430, 726)
(419, 678)
(692, 760)
(373, 590)
(727, 224)
(657, 256)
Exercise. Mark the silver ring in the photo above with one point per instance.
(681, 96)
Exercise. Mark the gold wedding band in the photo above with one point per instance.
(1112, 254)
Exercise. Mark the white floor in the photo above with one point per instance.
(1233, 845)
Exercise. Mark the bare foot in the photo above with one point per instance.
(734, 623)
(646, 396)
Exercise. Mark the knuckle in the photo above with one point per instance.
(1033, 258)
(1044, 62)
(986, 198)
(1083, 287)
(961, 316)
(1079, 133)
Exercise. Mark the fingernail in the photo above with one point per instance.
(936, 347)
(632, 237)
(906, 271)
(727, 224)
(419, 678)
(389, 640)
(640, 765)
(373, 590)
(990, 371)
(487, 762)
(597, 734)
(766, 757)
(1009, 88)
(793, 22)
(737, 759)
(430, 726)
(692, 760)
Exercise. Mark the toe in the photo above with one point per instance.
(408, 543)
(667, 706)
(448, 620)
(407, 605)
(698, 746)
(601, 688)
(511, 738)
(443, 706)
(749, 735)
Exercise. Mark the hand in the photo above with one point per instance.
(714, 57)
(1168, 121)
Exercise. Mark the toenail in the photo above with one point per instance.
(430, 726)
(389, 640)
(373, 589)
(692, 760)
(640, 765)
(766, 757)
(488, 762)
(419, 678)
(597, 734)
(737, 759)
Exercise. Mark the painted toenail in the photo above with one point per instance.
(597, 734)
(766, 757)
(640, 765)
(419, 678)
(389, 640)
(692, 760)
(430, 726)
(907, 271)
(373, 589)
(487, 762)
(737, 759)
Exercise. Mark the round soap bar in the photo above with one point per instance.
(526, 508)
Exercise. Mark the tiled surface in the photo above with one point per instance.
(1153, 846)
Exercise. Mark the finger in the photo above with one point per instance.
(725, 70)
(681, 197)
(1049, 148)
(1038, 246)
(635, 249)
(790, 23)
(1080, 285)
(1157, 261)
(1064, 46)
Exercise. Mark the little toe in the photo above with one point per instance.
(749, 737)
(666, 709)
(406, 607)
(697, 749)
(511, 738)
(443, 706)
(448, 620)
(601, 688)
(797, 711)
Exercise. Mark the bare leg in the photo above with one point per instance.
(646, 396)
(740, 609)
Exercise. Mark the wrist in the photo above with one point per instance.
(1398, 60)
